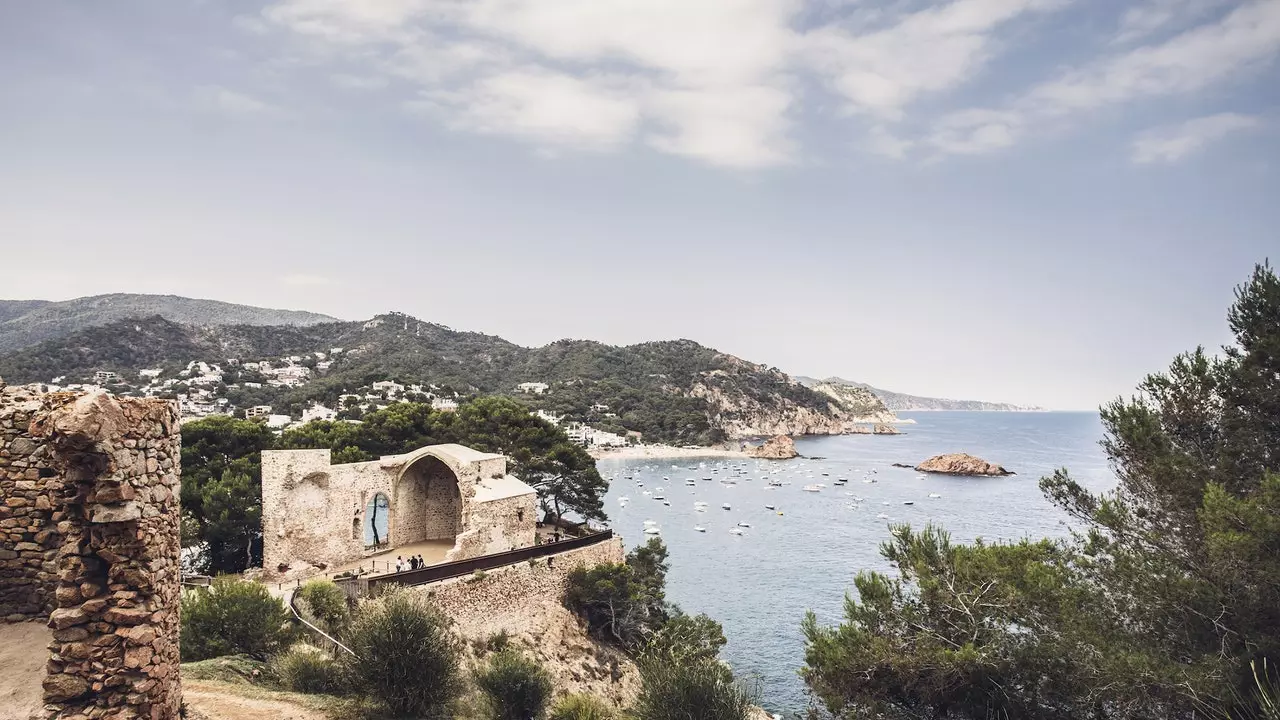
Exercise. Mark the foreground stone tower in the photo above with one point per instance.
(89, 540)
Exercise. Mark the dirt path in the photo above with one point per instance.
(217, 701)
(24, 649)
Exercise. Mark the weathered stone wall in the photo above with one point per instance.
(311, 509)
(108, 542)
(28, 528)
(507, 590)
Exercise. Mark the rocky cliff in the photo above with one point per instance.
(961, 464)
(778, 447)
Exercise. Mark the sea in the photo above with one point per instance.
(804, 554)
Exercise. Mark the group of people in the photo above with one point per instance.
(415, 562)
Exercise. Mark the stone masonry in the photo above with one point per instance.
(314, 512)
(89, 490)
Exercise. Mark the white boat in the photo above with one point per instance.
(651, 531)
(812, 488)
(726, 506)
(882, 516)
(668, 503)
(624, 499)
(746, 525)
(735, 531)
(908, 502)
(646, 492)
(934, 495)
(650, 523)
(770, 507)
(699, 528)
(658, 497)
(886, 502)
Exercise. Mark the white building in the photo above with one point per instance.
(150, 373)
(318, 412)
(258, 411)
(389, 387)
(444, 404)
(277, 422)
(535, 388)
(105, 377)
(549, 417)
(600, 407)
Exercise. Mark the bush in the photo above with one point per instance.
(670, 690)
(307, 669)
(581, 707)
(326, 602)
(516, 687)
(232, 617)
(497, 642)
(686, 637)
(405, 656)
(622, 603)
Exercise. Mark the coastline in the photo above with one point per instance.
(641, 452)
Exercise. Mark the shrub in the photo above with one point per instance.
(686, 637)
(497, 642)
(516, 687)
(581, 707)
(326, 601)
(232, 617)
(669, 690)
(405, 655)
(622, 603)
(306, 669)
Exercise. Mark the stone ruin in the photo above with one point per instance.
(89, 543)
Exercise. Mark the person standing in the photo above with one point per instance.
(399, 563)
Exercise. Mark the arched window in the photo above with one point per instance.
(378, 523)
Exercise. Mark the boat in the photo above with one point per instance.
(735, 530)
(651, 531)
(812, 488)
(886, 502)
(726, 506)
(668, 503)
(650, 523)
(699, 528)
(742, 524)
(934, 495)
(882, 516)
(690, 482)
(770, 507)
(908, 502)
(659, 497)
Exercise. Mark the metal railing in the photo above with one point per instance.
(458, 568)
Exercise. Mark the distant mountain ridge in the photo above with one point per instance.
(671, 391)
(900, 402)
(24, 323)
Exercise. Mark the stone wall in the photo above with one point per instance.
(96, 545)
(508, 590)
(28, 529)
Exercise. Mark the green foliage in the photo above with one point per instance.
(232, 617)
(516, 687)
(326, 602)
(1157, 608)
(306, 669)
(625, 602)
(222, 488)
(702, 689)
(581, 707)
(684, 638)
(405, 656)
(498, 641)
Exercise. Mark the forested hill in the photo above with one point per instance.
(24, 323)
(672, 391)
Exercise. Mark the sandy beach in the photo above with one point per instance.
(641, 452)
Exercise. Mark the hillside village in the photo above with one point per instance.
(205, 389)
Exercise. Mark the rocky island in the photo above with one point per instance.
(778, 447)
(960, 464)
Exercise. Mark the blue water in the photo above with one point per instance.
(759, 584)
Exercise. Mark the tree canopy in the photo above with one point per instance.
(1161, 605)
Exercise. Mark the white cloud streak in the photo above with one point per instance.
(1173, 143)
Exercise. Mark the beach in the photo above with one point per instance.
(640, 452)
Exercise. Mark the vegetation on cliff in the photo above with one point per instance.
(1165, 604)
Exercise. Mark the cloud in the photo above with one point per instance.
(232, 103)
(1153, 16)
(304, 280)
(928, 51)
(1206, 56)
(1170, 144)
(729, 83)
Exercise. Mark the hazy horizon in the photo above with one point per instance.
(1026, 201)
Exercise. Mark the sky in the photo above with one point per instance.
(1030, 201)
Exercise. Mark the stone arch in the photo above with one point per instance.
(427, 502)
